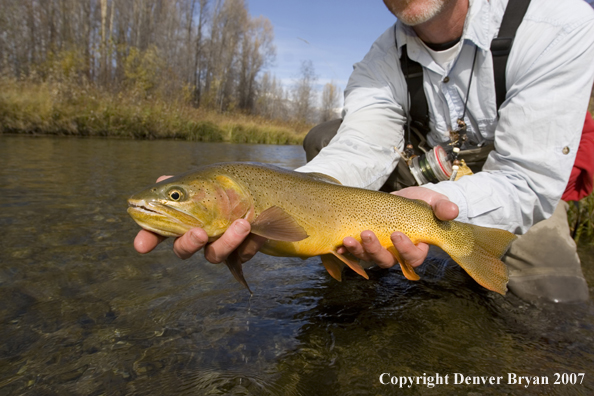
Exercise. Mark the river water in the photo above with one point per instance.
(83, 314)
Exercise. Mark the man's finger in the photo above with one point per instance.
(220, 249)
(352, 246)
(369, 249)
(146, 241)
(412, 254)
(249, 247)
(189, 243)
(376, 252)
(445, 209)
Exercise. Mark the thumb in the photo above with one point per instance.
(445, 209)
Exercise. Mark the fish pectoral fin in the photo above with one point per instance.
(333, 265)
(276, 224)
(235, 266)
(355, 266)
(407, 269)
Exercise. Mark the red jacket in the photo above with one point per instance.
(581, 180)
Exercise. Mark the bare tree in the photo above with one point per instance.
(271, 98)
(199, 53)
(303, 93)
(330, 96)
(257, 51)
(226, 29)
(103, 47)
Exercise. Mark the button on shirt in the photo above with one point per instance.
(536, 133)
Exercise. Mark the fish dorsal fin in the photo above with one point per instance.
(323, 177)
(236, 269)
(355, 266)
(333, 265)
(407, 269)
(276, 224)
(423, 203)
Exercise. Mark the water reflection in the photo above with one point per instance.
(85, 314)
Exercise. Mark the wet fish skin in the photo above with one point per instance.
(305, 215)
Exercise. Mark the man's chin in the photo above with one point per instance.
(417, 14)
(414, 19)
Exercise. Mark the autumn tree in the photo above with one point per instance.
(272, 101)
(211, 52)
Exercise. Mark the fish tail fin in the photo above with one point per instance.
(483, 262)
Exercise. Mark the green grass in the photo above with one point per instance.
(581, 220)
(581, 217)
(67, 109)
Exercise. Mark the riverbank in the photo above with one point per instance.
(73, 110)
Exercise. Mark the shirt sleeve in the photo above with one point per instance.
(549, 80)
(366, 148)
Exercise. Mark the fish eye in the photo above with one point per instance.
(176, 195)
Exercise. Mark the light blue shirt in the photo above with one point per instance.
(550, 72)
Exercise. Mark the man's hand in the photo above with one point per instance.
(370, 249)
(236, 239)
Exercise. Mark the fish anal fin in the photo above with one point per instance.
(333, 265)
(276, 224)
(407, 270)
(235, 266)
(355, 266)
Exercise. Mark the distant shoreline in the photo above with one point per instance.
(58, 109)
(34, 135)
(241, 138)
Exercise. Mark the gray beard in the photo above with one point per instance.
(436, 7)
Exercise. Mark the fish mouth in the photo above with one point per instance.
(161, 219)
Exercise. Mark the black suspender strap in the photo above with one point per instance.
(500, 49)
(502, 44)
(419, 110)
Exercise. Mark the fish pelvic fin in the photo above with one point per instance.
(407, 270)
(333, 265)
(483, 263)
(355, 266)
(235, 266)
(276, 224)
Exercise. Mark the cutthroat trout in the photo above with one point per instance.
(305, 215)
